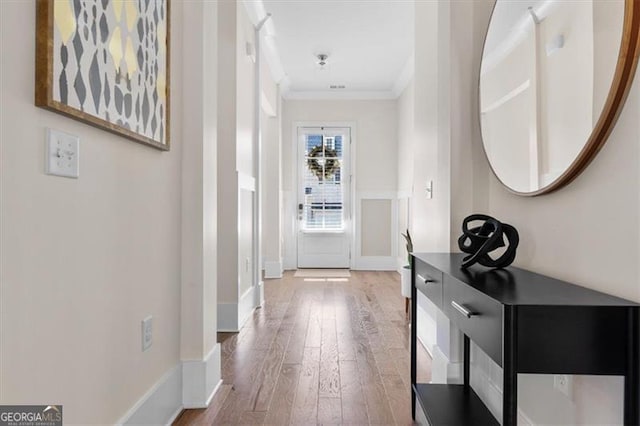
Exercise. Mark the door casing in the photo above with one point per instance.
(295, 146)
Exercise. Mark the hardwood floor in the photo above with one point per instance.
(318, 352)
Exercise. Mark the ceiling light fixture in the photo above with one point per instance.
(322, 59)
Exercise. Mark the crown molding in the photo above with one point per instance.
(256, 12)
(517, 34)
(350, 95)
(405, 76)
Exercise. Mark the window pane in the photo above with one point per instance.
(322, 180)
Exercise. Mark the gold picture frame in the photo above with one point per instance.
(107, 63)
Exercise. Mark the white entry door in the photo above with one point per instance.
(324, 214)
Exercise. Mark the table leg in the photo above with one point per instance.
(414, 336)
(510, 371)
(632, 378)
(466, 361)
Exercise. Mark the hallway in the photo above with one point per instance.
(318, 352)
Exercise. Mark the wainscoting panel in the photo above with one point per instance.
(376, 226)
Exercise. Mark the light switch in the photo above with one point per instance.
(147, 333)
(63, 152)
(429, 189)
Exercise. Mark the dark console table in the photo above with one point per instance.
(527, 323)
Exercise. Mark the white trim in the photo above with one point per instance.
(426, 330)
(273, 269)
(228, 317)
(256, 11)
(232, 316)
(266, 106)
(338, 95)
(507, 97)
(491, 395)
(258, 294)
(291, 255)
(246, 305)
(161, 404)
(201, 379)
(375, 263)
(443, 370)
(405, 76)
(404, 193)
(289, 200)
(377, 195)
(246, 182)
(175, 415)
(518, 32)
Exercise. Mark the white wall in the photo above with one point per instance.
(271, 189)
(375, 151)
(236, 184)
(271, 196)
(405, 115)
(83, 261)
(238, 291)
(199, 199)
(567, 222)
(430, 217)
(567, 85)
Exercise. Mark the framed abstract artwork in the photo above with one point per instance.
(106, 63)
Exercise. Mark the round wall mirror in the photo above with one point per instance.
(553, 79)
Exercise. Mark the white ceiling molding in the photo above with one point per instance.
(339, 95)
(516, 35)
(367, 43)
(405, 77)
(256, 12)
(298, 39)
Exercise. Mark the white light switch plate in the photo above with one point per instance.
(63, 154)
(429, 189)
(147, 333)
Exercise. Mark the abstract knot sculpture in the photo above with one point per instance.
(481, 240)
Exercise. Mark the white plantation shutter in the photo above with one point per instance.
(323, 197)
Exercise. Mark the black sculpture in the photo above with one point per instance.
(489, 236)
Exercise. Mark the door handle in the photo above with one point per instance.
(424, 280)
(464, 311)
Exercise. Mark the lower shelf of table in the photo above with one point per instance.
(453, 405)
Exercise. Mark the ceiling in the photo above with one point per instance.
(368, 44)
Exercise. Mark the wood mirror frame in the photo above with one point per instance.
(620, 86)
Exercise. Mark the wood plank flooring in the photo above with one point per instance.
(319, 352)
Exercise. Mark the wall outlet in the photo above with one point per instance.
(147, 333)
(564, 384)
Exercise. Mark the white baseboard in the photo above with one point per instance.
(442, 369)
(191, 384)
(160, 405)
(273, 269)
(426, 330)
(228, 317)
(375, 263)
(421, 418)
(491, 395)
(232, 316)
(248, 302)
(258, 295)
(201, 379)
